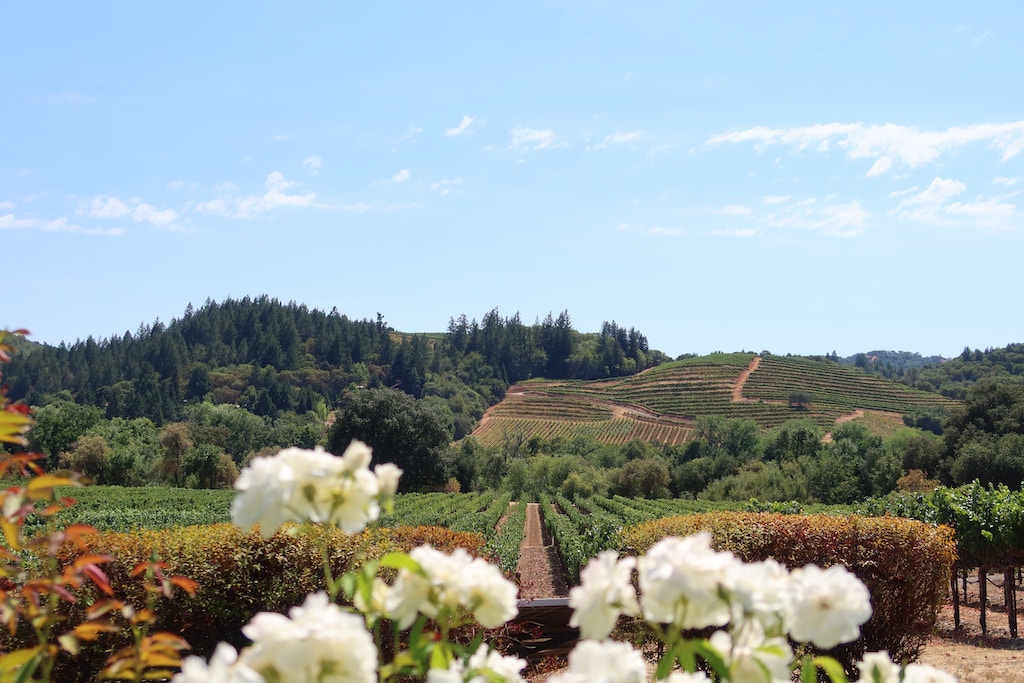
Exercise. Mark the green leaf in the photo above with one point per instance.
(401, 561)
(832, 667)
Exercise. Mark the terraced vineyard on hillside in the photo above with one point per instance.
(662, 403)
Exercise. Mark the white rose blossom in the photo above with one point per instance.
(224, 667)
(452, 582)
(317, 642)
(683, 581)
(685, 677)
(490, 666)
(828, 605)
(876, 667)
(753, 658)
(606, 661)
(299, 485)
(922, 673)
(605, 592)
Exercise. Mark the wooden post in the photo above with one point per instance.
(956, 598)
(983, 595)
(1010, 600)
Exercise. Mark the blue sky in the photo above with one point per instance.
(799, 178)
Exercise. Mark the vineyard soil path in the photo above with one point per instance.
(737, 389)
(540, 569)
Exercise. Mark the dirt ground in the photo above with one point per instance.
(992, 657)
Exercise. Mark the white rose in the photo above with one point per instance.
(299, 485)
(266, 487)
(318, 641)
(759, 591)
(682, 580)
(605, 592)
(684, 677)
(606, 661)
(490, 666)
(922, 673)
(223, 668)
(876, 667)
(751, 657)
(828, 605)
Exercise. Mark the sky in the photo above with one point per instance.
(797, 177)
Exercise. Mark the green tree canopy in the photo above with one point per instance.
(399, 429)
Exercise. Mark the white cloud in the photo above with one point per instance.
(839, 220)
(312, 164)
(275, 197)
(409, 135)
(147, 212)
(775, 199)
(888, 144)
(651, 230)
(175, 184)
(467, 121)
(736, 232)
(282, 137)
(932, 206)
(733, 211)
(879, 167)
(6, 205)
(617, 138)
(401, 176)
(446, 185)
(9, 222)
(998, 180)
(531, 138)
(107, 207)
(111, 207)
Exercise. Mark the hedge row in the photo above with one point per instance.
(904, 563)
(239, 574)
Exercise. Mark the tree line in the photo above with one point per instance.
(272, 358)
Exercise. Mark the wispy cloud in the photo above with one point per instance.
(888, 144)
(467, 121)
(275, 197)
(111, 207)
(734, 210)
(9, 222)
(838, 220)
(401, 176)
(446, 185)
(775, 199)
(284, 137)
(6, 205)
(1006, 182)
(736, 232)
(530, 138)
(312, 164)
(651, 230)
(617, 138)
(933, 206)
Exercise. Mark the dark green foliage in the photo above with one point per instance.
(985, 439)
(272, 359)
(399, 429)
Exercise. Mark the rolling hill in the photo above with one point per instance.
(663, 403)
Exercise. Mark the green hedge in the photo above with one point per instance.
(905, 564)
(239, 574)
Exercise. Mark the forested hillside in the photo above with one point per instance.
(268, 358)
(950, 377)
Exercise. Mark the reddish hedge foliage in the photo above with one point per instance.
(240, 574)
(905, 564)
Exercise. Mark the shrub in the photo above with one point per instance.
(239, 574)
(905, 564)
